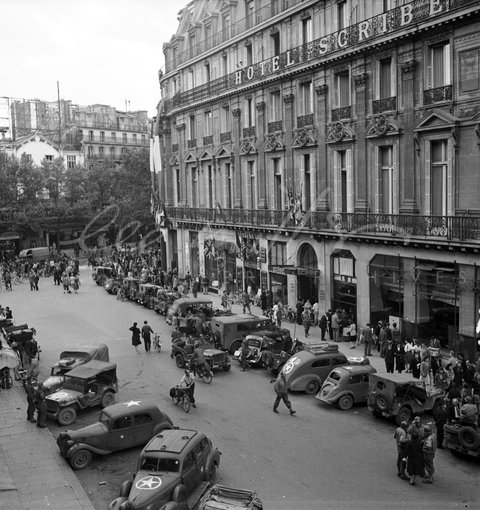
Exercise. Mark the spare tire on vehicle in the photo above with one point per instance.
(381, 402)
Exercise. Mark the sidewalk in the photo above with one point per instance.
(33, 475)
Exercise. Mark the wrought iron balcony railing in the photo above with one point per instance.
(207, 140)
(437, 95)
(192, 143)
(386, 104)
(225, 137)
(276, 125)
(341, 113)
(400, 226)
(249, 131)
(305, 120)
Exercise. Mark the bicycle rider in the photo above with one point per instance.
(188, 384)
(197, 360)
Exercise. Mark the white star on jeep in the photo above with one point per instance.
(133, 403)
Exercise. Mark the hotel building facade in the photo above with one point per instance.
(327, 150)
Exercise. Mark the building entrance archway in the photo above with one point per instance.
(308, 273)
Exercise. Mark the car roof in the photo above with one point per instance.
(242, 317)
(355, 369)
(91, 369)
(134, 406)
(85, 349)
(171, 441)
(397, 378)
(193, 301)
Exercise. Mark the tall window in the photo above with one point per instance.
(307, 34)
(275, 107)
(102, 136)
(113, 137)
(190, 79)
(275, 38)
(90, 135)
(251, 184)
(342, 19)
(134, 137)
(101, 151)
(275, 6)
(191, 128)
(225, 119)
(385, 78)
(342, 89)
(250, 10)
(342, 184)
(71, 161)
(386, 179)
(306, 98)
(307, 202)
(438, 177)
(438, 66)
(249, 112)
(277, 184)
(226, 26)
(249, 54)
(207, 73)
(191, 42)
(225, 64)
(124, 138)
(211, 186)
(112, 152)
(194, 187)
(207, 123)
(178, 185)
(230, 183)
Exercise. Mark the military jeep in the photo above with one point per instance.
(92, 384)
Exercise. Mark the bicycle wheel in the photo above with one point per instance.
(206, 376)
(186, 403)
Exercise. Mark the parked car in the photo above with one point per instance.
(164, 299)
(230, 330)
(264, 345)
(399, 396)
(92, 384)
(171, 467)
(201, 307)
(182, 350)
(72, 359)
(130, 287)
(463, 439)
(112, 285)
(346, 386)
(228, 498)
(146, 294)
(307, 370)
(101, 273)
(119, 426)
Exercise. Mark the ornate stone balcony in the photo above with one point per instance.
(249, 131)
(207, 140)
(305, 120)
(277, 125)
(341, 113)
(225, 137)
(387, 104)
(191, 144)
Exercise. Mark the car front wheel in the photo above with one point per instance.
(211, 472)
(80, 459)
(404, 414)
(108, 399)
(67, 416)
(179, 361)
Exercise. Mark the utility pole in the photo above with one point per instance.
(59, 120)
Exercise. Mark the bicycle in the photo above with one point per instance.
(205, 374)
(157, 345)
(180, 394)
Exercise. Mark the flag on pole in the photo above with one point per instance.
(239, 245)
(220, 211)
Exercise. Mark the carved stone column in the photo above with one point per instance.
(409, 145)
(261, 166)
(360, 165)
(321, 172)
(237, 168)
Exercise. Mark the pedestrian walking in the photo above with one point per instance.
(244, 355)
(307, 320)
(415, 463)
(399, 353)
(146, 335)
(335, 326)
(41, 406)
(316, 313)
(195, 287)
(429, 448)
(205, 284)
(30, 391)
(36, 277)
(367, 336)
(135, 336)
(401, 439)
(389, 357)
(323, 323)
(75, 283)
(66, 284)
(281, 389)
(440, 416)
(224, 300)
(246, 303)
(352, 334)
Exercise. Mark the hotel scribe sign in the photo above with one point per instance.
(380, 25)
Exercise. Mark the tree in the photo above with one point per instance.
(54, 178)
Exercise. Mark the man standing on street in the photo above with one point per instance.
(30, 391)
(429, 449)
(146, 332)
(367, 335)
(401, 438)
(41, 406)
(281, 390)
(323, 323)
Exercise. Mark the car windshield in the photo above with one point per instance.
(159, 465)
(254, 343)
(74, 383)
(334, 375)
(103, 418)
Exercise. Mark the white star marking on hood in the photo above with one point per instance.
(133, 403)
(149, 483)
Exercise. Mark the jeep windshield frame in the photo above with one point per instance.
(159, 464)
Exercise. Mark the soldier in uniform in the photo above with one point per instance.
(41, 406)
(30, 391)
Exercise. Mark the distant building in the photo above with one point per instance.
(330, 151)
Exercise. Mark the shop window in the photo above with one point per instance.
(344, 283)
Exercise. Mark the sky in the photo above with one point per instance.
(100, 51)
